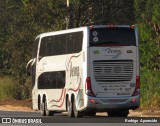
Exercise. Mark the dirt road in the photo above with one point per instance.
(18, 105)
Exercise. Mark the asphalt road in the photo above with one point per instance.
(15, 116)
(57, 118)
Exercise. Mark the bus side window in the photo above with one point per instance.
(56, 47)
(42, 52)
(60, 79)
(78, 41)
(59, 46)
(41, 81)
(70, 43)
(63, 44)
(49, 47)
(53, 78)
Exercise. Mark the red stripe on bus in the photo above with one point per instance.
(67, 67)
(75, 90)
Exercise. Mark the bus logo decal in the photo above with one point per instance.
(74, 71)
(112, 52)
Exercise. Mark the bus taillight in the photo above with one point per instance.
(91, 27)
(112, 26)
(136, 92)
(132, 27)
(137, 82)
(88, 87)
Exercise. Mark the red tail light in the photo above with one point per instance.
(136, 92)
(88, 87)
(137, 82)
(132, 27)
(112, 26)
(91, 27)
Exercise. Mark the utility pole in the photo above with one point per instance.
(70, 15)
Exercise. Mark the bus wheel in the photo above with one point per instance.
(43, 112)
(76, 112)
(70, 108)
(48, 113)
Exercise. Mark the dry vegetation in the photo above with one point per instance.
(16, 105)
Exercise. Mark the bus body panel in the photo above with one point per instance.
(113, 71)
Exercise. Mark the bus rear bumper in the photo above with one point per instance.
(107, 104)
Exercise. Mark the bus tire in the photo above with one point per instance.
(48, 113)
(43, 112)
(76, 112)
(70, 108)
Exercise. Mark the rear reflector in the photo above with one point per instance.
(91, 100)
(133, 100)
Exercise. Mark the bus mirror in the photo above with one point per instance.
(29, 67)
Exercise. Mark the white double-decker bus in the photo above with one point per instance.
(86, 70)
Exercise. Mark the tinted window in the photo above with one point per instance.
(61, 44)
(70, 43)
(78, 41)
(42, 52)
(52, 80)
(49, 46)
(120, 36)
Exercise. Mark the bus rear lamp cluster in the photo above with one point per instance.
(136, 91)
(111, 26)
(132, 27)
(88, 87)
(91, 27)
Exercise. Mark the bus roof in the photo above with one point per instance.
(82, 28)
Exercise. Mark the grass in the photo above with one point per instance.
(10, 89)
(150, 89)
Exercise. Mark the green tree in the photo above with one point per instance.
(88, 12)
(148, 21)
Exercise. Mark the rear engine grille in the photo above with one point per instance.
(113, 70)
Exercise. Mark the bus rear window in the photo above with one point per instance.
(112, 36)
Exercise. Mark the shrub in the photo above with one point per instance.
(11, 89)
(150, 89)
